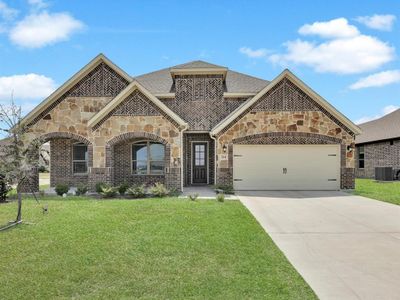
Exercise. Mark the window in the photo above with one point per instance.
(148, 158)
(361, 157)
(80, 158)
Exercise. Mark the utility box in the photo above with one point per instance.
(384, 173)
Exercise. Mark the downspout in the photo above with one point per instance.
(215, 156)
(184, 128)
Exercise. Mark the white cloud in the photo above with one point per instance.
(25, 87)
(380, 22)
(257, 53)
(386, 110)
(7, 13)
(377, 80)
(38, 4)
(347, 54)
(337, 28)
(39, 30)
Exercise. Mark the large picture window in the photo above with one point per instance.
(80, 158)
(148, 158)
(361, 156)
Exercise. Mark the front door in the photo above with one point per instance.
(199, 171)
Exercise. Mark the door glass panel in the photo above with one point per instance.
(199, 155)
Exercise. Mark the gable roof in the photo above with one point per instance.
(134, 85)
(286, 74)
(387, 127)
(161, 81)
(101, 58)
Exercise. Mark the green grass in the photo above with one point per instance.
(384, 191)
(154, 248)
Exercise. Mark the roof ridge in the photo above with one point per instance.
(241, 73)
(381, 118)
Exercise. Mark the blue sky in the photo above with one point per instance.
(345, 50)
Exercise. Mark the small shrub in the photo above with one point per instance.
(61, 189)
(99, 186)
(193, 197)
(108, 191)
(81, 189)
(221, 197)
(174, 192)
(123, 188)
(227, 189)
(137, 191)
(4, 189)
(159, 190)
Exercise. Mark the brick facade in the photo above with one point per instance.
(284, 115)
(199, 101)
(378, 154)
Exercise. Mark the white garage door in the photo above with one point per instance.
(286, 167)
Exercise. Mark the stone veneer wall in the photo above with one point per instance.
(69, 117)
(188, 138)
(285, 127)
(378, 154)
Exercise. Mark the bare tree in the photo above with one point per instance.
(19, 156)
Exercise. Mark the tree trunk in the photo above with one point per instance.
(19, 214)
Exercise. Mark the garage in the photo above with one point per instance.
(286, 167)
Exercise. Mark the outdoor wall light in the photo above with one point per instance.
(350, 148)
(224, 148)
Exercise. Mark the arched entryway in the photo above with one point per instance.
(71, 157)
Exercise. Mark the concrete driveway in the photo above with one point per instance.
(344, 246)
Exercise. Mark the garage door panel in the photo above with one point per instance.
(286, 167)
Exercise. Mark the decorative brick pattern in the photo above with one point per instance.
(136, 104)
(199, 101)
(188, 138)
(102, 81)
(286, 96)
(378, 154)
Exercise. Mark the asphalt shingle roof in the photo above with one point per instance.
(160, 81)
(387, 127)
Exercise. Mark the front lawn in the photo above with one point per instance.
(154, 248)
(384, 191)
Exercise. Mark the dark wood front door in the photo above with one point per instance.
(200, 161)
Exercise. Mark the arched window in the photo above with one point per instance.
(80, 158)
(148, 158)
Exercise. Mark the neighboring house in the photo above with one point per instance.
(195, 123)
(378, 145)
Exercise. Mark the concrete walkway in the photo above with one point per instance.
(204, 192)
(344, 246)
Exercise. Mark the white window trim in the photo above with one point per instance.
(148, 158)
(77, 160)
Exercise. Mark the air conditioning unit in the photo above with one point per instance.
(384, 173)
